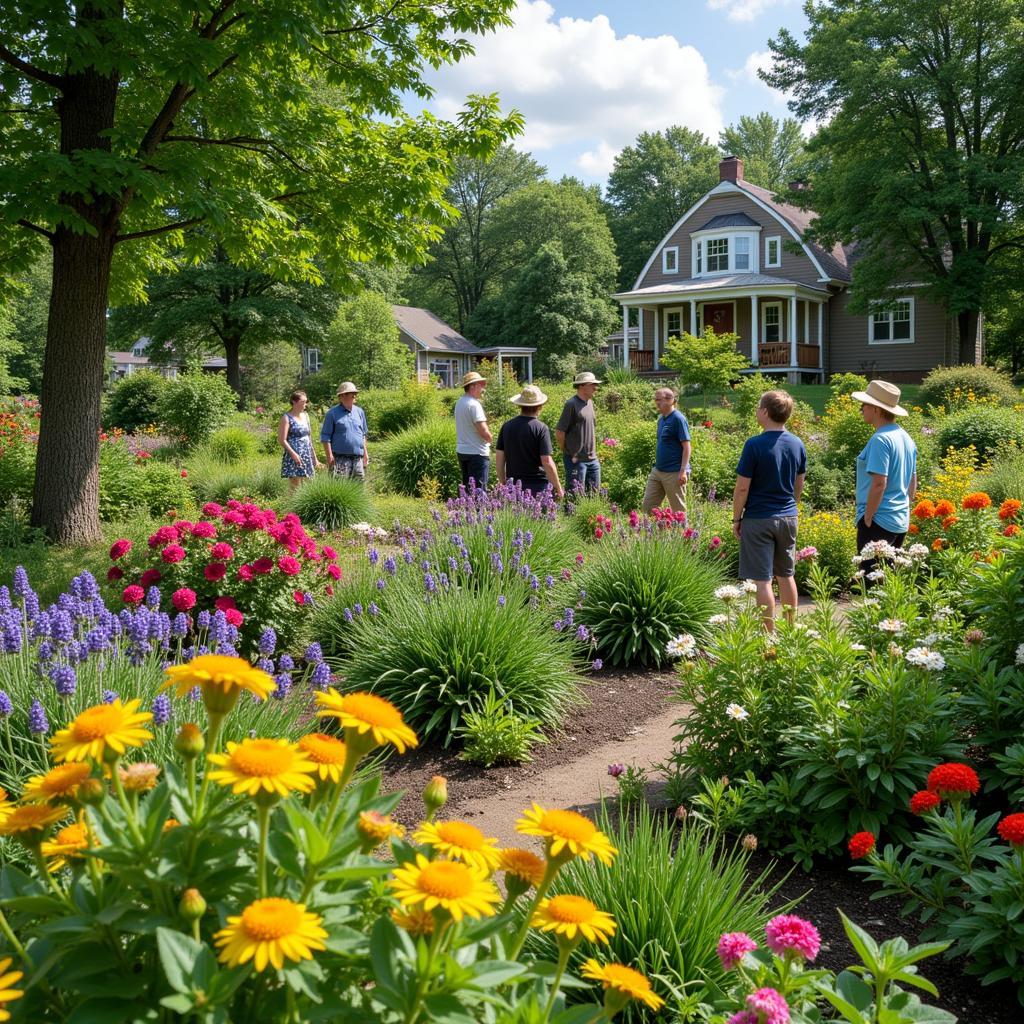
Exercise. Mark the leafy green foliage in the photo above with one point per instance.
(129, 485)
(949, 386)
(707, 363)
(713, 461)
(834, 535)
(772, 151)
(493, 734)
(134, 401)
(423, 452)
(232, 445)
(995, 598)
(362, 344)
(988, 428)
(195, 405)
(332, 502)
(846, 384)
(1004, 476)
(643, 593)
(391, 412)
(213, 480)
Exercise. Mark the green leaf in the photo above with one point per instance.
(188, 965)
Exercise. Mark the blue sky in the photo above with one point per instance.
(589, 76)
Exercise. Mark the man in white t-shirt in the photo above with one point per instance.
(473, 438)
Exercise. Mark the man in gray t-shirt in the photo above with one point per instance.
(473, 437)
(576, 433)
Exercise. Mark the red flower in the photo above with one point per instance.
(861, 845)
(204, 529)
(245, 572)
(329, 552)
(114, 573)
(263, 565)
(299, 597)
(289, 566)
(150, 577)
(215, 571)
(172, 553)
(225, 604)
(133, 594)
(1011, 828)
(1009, 509)
(211, 508)
(330, 590)
(223, 552)
(184, 599)
(334, 572)
(924, 801)
(953, 780)
(120, 548)
(184, 474)
(234, 616)
(164, 535)
(599, 533)
(1012, 530)
(233, 517)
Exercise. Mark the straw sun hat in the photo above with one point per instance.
(530, 395)
(883, 394)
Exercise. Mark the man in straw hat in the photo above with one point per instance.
(576, 435)
(344, 434)
(886, 469)
(472, 435)
(523, 450)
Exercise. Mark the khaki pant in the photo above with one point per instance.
(662, 485)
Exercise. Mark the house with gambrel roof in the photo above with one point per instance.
(737, 261)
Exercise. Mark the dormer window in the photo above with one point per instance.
(718, 254)
(670, 260)
(726, 244)
(742, 260)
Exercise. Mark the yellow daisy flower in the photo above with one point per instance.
(573, 916)
(327, 753)
(8, 979)
(461, 889)
(566, 834)
(60, 783)
(624, 981)
(68, 842)
(416, 921)
(28, 822)
(252, 767)
(267, 932)
(365, 714)
(375, 828)
(169, 824)
(522, 864)
(459, 840)
(6, 804)
(101, 731)
(221, 678)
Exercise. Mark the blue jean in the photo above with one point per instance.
(476, 466)
(583, 474)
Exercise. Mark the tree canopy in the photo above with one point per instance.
(707, 362)
(362, 345)
(772, 151)
(652, 183)
(278, 127)
(920, 153)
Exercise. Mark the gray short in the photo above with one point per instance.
(767, 548)
(348, 466)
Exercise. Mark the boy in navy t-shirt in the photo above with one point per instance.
(769, 482)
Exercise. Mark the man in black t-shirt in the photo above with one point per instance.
(523, 449)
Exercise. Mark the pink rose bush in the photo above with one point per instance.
(245, 561)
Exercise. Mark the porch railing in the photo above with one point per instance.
(641, 360)
(777, 353)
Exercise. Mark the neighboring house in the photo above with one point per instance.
(124, 364)
(736, 260)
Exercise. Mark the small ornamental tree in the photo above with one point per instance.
(709, 362)
(362, 345)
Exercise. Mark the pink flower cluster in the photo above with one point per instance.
(733, 947)
(806, 554)
(789, 935)
(768, 1006)
(666, 518)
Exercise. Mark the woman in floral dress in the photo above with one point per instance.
(299, 460)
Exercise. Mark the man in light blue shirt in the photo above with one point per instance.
(344, 435)
(886, 469)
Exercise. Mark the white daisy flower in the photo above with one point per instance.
(926, 658)
(737, 712)
(727, 593)
(918, 551)
(857, 647)
(892, 625)
(876, 575)
(682, 646)
(749, 587)
(718, 620)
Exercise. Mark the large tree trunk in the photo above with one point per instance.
(967, 330)
(234, 369)
(65, 501)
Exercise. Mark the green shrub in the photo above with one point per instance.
(949, 386)
(581, 519)
(163, 488)
(195, 405)
(232, 445)
(1004, 477)
(633, 398)
(835, 536)
(331, 502)
(258, 480)
(746, 395)
(134, 401)
(642, 594)
(17, 470)
(828, 487)
(635, 454)
(425, 451)
(845, 384)
(437, 658)
(846, 431)
(390, 412)
(988, 428)
(713, 461)
(673, 892)
(494, 734)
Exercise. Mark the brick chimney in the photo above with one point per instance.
(730, 169)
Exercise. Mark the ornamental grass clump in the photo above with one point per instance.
(238, 881)
(642, 593)
(332, 502)
(425, 451)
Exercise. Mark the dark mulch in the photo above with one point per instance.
(835, 886)
(617, 701)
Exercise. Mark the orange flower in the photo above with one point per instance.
(938, 544)
(976, 501)
(944, 508)
(949, 521)
(1009, 509)
(914, 529)
(1012, 530)
(924, 510)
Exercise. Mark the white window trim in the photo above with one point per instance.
(778, 241)
(683, 326)
(763, 337)
(674, 250)
(730, 235)
(894, 341)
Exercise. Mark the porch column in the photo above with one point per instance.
(529, 367)
(501, 373)
(640, 327)
(625, 337)
(754, 325)
(792, 330)
(821, 340)
(693, 317)
(807, 321)
(657, 337)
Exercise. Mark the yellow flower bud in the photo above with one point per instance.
(435, 795)
(192, 905)
(189, 742)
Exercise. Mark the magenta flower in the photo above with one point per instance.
(173, 553)
(769, 1003)
(133, 594)
(289, 566)
(222, 551)
(743, 1017)
(733, 947)
(204, 529)
(184, 599)
(615, 770)
(120, 548)
(792, 935)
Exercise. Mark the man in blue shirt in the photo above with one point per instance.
(672, 457)
(886, 470)
(769, 481)
(344, 435)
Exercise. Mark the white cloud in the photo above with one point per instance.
(759, 60)
(580, 85)
(743, 10)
